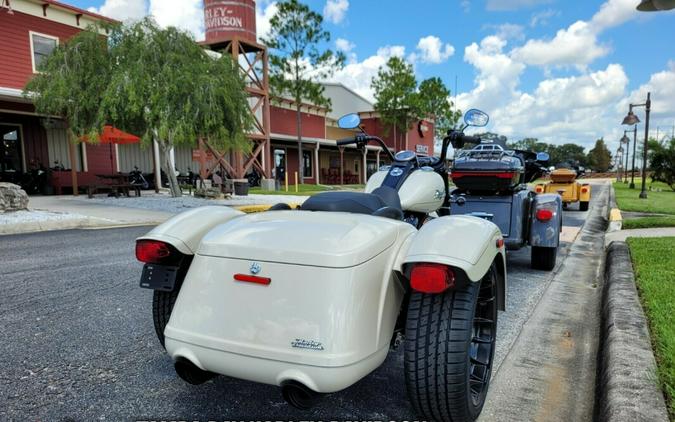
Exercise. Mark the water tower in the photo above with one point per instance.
(231, 29)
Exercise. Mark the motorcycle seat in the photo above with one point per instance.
(383, 201)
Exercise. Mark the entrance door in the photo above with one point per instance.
(11, 158)
(280, 164)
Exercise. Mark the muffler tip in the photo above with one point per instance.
(299, 395)
(191, 373)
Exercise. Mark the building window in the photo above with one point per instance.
(307, 164)
(41, 46)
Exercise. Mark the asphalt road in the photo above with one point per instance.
(77, 341)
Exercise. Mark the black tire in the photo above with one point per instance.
(162, 305)
(583, 206)
(449, 350)
(543, 258)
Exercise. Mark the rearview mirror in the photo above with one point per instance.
(349, 121)
(475, 117)
(543, 156)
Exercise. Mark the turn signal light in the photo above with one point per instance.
(252, 279)
(152, 251)
(584, 190)
(431, 278)
(544, 214)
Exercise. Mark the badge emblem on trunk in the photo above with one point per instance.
(255, 268)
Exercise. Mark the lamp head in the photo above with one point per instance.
(630, 119)
(624, 139)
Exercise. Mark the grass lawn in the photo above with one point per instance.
(662, 202)
(306, 189)
(654, 264)
(648, 222)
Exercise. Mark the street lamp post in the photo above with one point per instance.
(626, 140)
(632, 119)
(619, 162)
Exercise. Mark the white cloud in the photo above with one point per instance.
(184, 14)
(508, 31)
(578, 44)
(432, 50)
(344, 45)
(335, 10)
(542, 18)
(263, 13)
(498, 75)
(358, 75)
(466, 6)
(500, 5)
(122, 9)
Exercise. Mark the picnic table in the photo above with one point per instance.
(114, 184)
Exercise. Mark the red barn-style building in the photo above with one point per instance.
(29, 31)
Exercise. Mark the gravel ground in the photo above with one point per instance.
(78, 341)
(163, 202)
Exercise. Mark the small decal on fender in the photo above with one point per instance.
(300, 343)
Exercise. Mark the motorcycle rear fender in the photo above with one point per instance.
(546, 233)
(186, 230)
(468, 244)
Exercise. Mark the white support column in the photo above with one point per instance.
(317, 165)
(377, 160)
(365, 163)
(117, 157)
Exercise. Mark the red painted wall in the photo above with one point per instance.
(16, 65)
(284, 121)
(98, 159)
(375, 127)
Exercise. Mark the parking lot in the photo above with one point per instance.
(78, 341)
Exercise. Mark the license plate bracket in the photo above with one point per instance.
(159, 277)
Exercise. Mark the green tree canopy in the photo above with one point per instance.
(396, 97)
(600, 158)
(298, 60)
(434, 100)
(662, 161)
(165, 87)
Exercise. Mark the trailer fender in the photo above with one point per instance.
(469, 244)
(584, 192)
(546, 231)
(186, 230)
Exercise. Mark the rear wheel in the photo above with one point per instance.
(450, 343)
(583, 206)
(543, 258)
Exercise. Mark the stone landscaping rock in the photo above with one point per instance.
(12, 197)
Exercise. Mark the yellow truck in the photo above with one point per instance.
(564, 182)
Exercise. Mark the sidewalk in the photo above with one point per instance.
(621, 235)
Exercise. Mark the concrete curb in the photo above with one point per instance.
(615, 219)
(627, 383)
(49, 225)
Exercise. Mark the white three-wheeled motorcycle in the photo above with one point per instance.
(312, 299)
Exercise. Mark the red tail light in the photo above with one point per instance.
(431, 278)
(153, 251)
(544, 214)
(252, 279)
(584, 190)
(539, 189)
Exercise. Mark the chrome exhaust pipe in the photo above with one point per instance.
(191, 373)
(299, 395)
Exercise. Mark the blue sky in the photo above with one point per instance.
(562, 71)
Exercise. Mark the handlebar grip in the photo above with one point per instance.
(345, 141)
